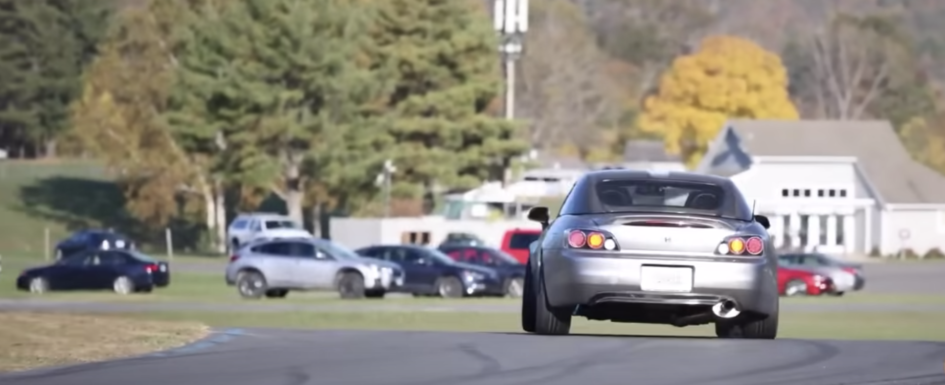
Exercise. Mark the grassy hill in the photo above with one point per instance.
(56, 196)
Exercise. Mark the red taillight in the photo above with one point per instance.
(234, 257)
(755, 246)
(577, 239)
(151, 268)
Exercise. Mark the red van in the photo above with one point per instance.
(516, 242)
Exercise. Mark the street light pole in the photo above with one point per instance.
(384, 179)
(511, 22)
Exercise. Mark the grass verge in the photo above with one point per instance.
(858, 326)
(30, 340)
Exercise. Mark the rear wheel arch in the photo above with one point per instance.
(346, 270)
(249, 269)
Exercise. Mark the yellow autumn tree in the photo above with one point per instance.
(925, 142)
(728, 77)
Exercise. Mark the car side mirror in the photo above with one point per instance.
(539, 214)
(763, 220)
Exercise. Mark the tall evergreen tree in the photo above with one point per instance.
(282, 89)
(446, 54)
(44, 48)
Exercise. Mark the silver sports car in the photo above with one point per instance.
(653, 247)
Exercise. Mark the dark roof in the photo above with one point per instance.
(647, 151)
(874, 144)
(674, 175)
(584, 197)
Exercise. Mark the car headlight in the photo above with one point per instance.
(374, 268)
(472, 275)
(818, 279)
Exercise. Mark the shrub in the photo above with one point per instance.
(934, 253)
(908, 254)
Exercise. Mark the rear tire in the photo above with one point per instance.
(449, 287)
(277, 293)
(756, 329)
(251, 285)
(351, 285)
(549, 320)
(123, 286)
(528, 301)
(378, 293)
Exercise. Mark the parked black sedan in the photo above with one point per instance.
(510, 269)
(93, 239)
(123, 271)
(429, 272)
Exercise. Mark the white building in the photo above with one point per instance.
(837, 187)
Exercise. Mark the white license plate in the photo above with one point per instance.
(666, 279)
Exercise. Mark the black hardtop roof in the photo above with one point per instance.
(583, 198)
(680, 176)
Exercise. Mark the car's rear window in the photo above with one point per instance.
(281, 224)
(520, 241)
(629, 194)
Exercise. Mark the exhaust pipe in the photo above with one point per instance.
(726, 309)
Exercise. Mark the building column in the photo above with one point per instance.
(813, 231)
(849, 234)
(777, 229)
(795, 230)
(831, 230)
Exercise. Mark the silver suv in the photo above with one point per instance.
(248, 227)
(272, 267)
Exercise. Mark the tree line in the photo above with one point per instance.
(205, 106)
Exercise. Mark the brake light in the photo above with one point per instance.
(755, 246)
(234, 257)
(151, 268)
(576, 239)
(593, 240)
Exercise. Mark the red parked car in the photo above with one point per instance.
(795, 282)
(516, 242)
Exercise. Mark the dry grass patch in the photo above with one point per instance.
(31, 340)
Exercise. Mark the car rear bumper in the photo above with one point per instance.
(588, 278)
(161, 280)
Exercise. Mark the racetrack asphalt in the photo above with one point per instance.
(271, 357)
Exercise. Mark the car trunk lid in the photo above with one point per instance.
(667, 234)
